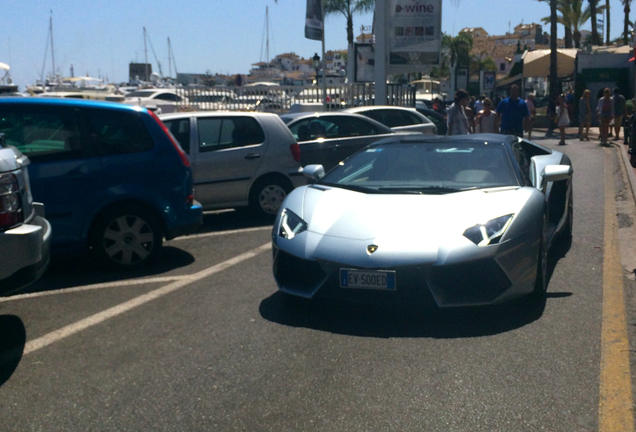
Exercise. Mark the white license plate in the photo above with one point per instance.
(367, 279)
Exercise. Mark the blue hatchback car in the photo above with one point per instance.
(112, 177)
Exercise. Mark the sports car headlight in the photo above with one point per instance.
(290, 224)
(490, 232)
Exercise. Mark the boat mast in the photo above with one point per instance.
(52, 50)
(169, 60)
(146, 56)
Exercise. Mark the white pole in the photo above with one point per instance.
(324, 63)
(381, 38)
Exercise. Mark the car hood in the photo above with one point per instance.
(421, 218)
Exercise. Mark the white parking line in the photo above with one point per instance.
(218, 233)
(92, 287)
(114, 311)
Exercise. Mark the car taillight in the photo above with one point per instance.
(182, 154)
(295, 150)
(10, 201)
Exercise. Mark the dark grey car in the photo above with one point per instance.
(326, 138)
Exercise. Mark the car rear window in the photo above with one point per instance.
(180, 129)
(117, 132)
(218, 133)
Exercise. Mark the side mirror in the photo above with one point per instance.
(314, 172)
(554, 173)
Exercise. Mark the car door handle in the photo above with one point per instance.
(253, 156)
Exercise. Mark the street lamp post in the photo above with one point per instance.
(316, 62)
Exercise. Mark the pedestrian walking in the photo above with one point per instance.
(513, 113)
(457, 121)
(479, 104)
(619, 112)
(585, 115)
(533, 113)
(605, 112)
(486, 121)
(563, 118)
(569, 101)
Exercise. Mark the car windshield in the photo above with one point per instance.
(425, 168)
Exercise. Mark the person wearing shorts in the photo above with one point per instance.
(619, 112)
(585, 115)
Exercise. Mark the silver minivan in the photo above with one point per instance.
(239, 158)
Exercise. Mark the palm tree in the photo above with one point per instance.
(483, 62)
(626, 9)
(577, 17)
(459, 48)
(574, 16)
(554, 77)
(593, 12)
(607, 22)
(348, 8)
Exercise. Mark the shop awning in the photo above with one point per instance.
(536, 64)
(507, 82)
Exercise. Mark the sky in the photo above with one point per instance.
(100, 38)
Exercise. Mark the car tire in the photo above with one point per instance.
(267, 195)
(126, 237)
(541, 280)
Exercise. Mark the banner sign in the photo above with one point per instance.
(415, 32)
(487, 81)
(314, 20)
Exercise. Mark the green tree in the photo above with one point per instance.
(459, 48)
(482, 63)
(574, 16)
(607, 22)
(554, 77)
(626, 9)
(593, 13)
(554, 19)
(348, 8)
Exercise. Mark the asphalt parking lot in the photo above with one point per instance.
(203, 341)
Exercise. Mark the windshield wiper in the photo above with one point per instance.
(351, 187)
(426, 189)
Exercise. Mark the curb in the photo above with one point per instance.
(628, 167)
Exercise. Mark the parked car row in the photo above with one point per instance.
(117, 180)
(112, 178)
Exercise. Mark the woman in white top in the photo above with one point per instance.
(486, 121)
(457, 120)
(563, 119)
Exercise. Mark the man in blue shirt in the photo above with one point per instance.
(513, 113)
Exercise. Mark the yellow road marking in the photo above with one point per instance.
(615, 398)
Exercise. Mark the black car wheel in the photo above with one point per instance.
(126, 237)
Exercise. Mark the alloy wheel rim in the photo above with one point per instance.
(271, 198)
(128, 240)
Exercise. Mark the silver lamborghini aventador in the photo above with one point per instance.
(464, 220)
